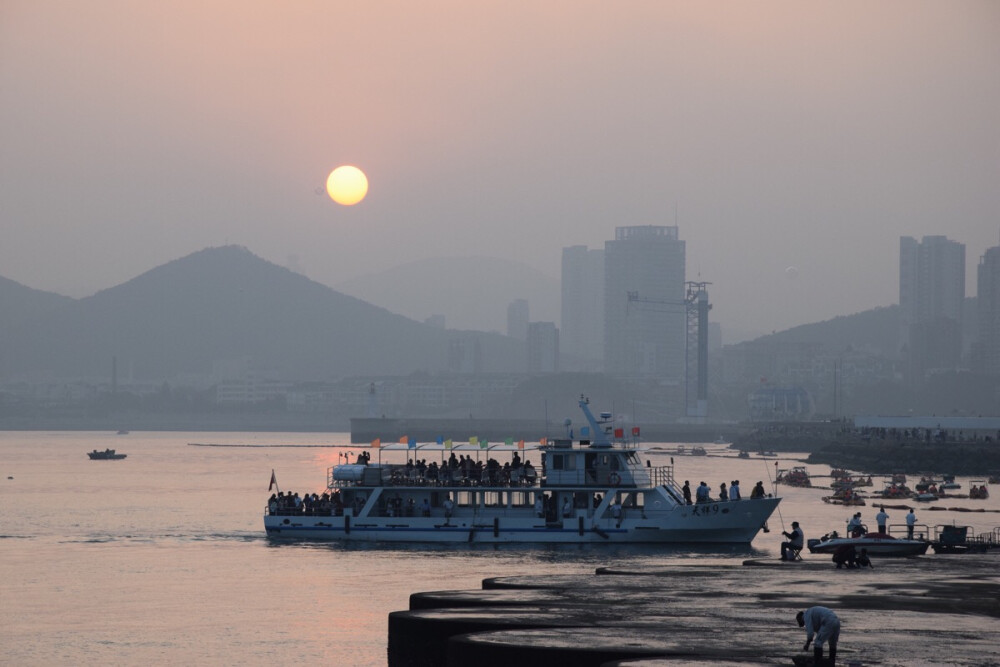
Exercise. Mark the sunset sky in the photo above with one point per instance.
(775, 134)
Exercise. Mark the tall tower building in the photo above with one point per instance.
(988, 303)
(543, 347)
(582, 311)
(931, 293)
(641, 340)
(517, 319)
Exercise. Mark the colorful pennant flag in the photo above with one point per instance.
(484, 443)
(376, 443)
(405, 439)
(543, 442)
(440, 439)
(473, 440)
(447, 443)
(584, 431)
(520, 444)
(411, 443)
(509, 441)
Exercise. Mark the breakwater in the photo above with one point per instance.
(388, 429)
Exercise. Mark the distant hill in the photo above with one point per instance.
(225, 304)
(876, 330)
(471, 292)
(19, 304)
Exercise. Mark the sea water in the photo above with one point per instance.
(161, 557)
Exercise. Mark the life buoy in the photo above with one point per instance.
(614, 479)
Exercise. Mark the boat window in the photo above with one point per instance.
(616, 463)
(557, 461)
(563, 462)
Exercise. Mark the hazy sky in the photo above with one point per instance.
(776, 134)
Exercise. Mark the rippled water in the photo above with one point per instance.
(162, 557)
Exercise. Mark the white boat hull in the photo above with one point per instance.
(712, 523)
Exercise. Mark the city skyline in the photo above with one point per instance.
(792, 144)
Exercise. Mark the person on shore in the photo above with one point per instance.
(846, 556)
(795, 541)
(822, 623)
(758, 491)
(881, 518)
(911, 521)
(686, 490)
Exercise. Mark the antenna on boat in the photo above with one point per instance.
(774, 485)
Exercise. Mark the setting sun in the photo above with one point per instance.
(347, 185)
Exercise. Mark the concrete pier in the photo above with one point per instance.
(927, 610)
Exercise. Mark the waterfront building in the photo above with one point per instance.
(517, 319)
(543, 347)
(988, 303)
(644, 310)
(931, 293)
(582, 308)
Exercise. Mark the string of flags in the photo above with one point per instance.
(484, 443)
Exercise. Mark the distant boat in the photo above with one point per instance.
(123, 431)
(106, 455)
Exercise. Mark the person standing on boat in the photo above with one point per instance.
(911, 521)
(723, 493)
(567, 508)
(881, 518)
(539, 506)
(854, 527)
(703, 493)
(734, 490)
(796, 539)
(616, 511)
(449, 507)
(758, 491)
(686, 490)
(825, 625)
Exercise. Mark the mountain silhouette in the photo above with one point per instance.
(20, 304)
(228, 304)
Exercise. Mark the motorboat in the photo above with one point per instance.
(877, 544)
(106, 455)
(599, 489)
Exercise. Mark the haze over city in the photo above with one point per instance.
(774, 135)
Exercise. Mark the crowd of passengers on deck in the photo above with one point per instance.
(463, 471)
(309, 504)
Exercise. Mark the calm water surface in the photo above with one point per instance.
(162, 556)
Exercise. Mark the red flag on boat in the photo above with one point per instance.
(619, 433)
(274, 481)
(635, 430)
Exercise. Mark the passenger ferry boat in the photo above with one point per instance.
(599, 490)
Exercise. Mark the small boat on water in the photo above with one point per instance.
(106, 455)
(978, 490)
(877, 544)
(600, 489)
(796, 476)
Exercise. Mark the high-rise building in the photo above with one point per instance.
(517, 319)
(988, 303)
(543, 347)
(931, 292)
(644, 334)
(582, 312)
